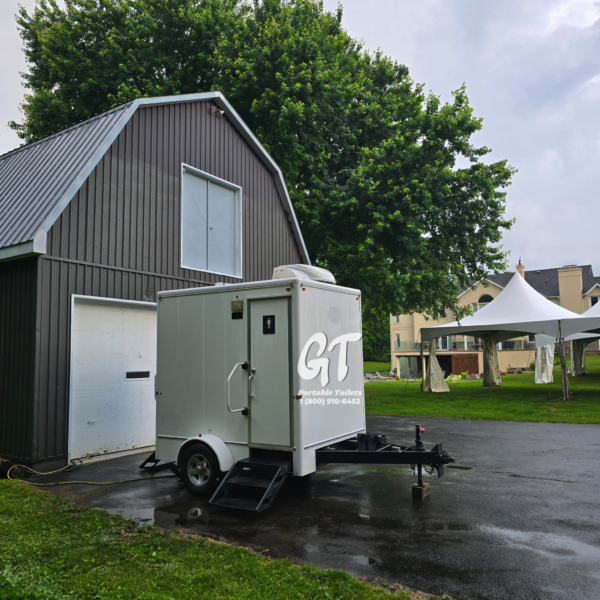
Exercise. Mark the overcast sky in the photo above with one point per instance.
(532, 70)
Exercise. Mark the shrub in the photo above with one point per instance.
(519, 371)
(397, 377)
(454, 378)
(532, 366)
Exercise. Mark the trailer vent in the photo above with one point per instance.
(308, 272)
(137, 375)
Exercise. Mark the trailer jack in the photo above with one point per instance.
(373, 449)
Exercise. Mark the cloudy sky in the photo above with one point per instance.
(532, 69)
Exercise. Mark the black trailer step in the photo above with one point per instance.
(251, 484)
(251, 481)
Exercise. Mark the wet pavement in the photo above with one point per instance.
(517, 518)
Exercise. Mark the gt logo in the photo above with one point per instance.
(320, 365)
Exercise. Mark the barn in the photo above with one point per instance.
(156, 194)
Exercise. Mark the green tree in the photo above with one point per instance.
(370, 160)
(376, 332)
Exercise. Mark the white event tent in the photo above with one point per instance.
(589, 322)
(519, 310)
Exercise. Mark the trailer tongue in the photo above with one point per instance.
(253, 483)
(258, 381)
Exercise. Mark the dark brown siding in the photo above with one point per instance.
(119, 236)
(18, 284)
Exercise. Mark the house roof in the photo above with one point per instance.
(544, 281)
(38, 180)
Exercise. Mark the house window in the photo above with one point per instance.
(531, 338)
(397, 338)
(483, 301)
(397, 318)
(211, 224)
(594, 300)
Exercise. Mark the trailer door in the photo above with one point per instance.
(269, 389)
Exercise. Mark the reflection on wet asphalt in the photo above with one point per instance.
(517, 518)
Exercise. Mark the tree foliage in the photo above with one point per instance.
(371, 161)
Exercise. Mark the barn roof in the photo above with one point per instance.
(38, 180)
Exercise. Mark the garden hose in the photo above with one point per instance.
(70, 466)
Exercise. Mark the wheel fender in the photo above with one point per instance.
(218, 446)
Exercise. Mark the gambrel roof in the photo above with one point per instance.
(38, 180)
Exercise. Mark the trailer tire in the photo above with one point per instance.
(199, 469)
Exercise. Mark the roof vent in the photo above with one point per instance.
(303, 272)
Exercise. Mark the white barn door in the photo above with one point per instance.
(113, 363)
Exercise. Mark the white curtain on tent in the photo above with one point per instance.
(491, 368)
(578, 347)
(435, 376)
(544, 363)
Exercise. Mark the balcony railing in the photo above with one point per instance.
(457, 344)
(407, 347)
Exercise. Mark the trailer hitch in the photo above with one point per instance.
(441, 457)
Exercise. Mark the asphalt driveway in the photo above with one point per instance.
(517, 518)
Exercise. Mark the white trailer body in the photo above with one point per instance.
(303, 387)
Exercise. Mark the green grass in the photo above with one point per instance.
(50, 548)
(517, 399)
(371, 367)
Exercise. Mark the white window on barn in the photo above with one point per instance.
(211, 224)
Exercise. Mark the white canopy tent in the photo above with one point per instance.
(579, 341)
(519, 310)
(588, 322)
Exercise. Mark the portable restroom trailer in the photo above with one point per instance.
(254, 380)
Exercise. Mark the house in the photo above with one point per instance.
(573, 287)
(156, 194)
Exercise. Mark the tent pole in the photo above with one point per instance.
(422, 365)
(563, 364)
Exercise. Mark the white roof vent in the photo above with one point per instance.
(303, 272)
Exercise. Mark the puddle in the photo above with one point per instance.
(366, 561)
(165, 517)
(548, 544)
(460, 467)
(143, 516)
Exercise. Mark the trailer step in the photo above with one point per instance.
(251, 484)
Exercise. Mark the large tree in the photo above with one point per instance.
(371, 161)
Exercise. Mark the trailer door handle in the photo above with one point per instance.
(244, 410)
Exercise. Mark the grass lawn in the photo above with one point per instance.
(517, 399)
(50, 548)
(371, 367)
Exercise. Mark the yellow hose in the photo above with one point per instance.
(72, 482)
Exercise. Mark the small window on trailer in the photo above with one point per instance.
(211, 224)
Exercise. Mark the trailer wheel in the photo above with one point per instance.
(199, 469)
